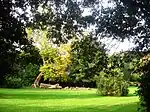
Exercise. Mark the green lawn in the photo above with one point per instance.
(44, 100)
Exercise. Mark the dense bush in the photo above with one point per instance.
(13, 82)
(135, 77)
(24, 76)
(28, 74)
(109, 84)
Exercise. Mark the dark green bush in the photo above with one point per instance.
(111, 85)
(13, 82)
(28, 74)
(135, 77)
(24, 76)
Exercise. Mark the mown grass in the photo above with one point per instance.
(44, 100)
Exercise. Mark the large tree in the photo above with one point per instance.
(12, 35)
(88, 59)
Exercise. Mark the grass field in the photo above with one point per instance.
(43, 100)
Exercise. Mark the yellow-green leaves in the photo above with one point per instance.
(56, 62)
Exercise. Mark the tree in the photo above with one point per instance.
(56, 62)
(88, 59)
(130, 19)
(128, 62)
(56, 58)
(144, 83)
(126, 19)
(12, 37)
(63, 18)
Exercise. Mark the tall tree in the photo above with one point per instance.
(12, 36)
(88, 59)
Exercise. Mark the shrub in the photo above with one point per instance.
(135, 77)
(13, 82)
(28, 74)
(24, 76)
(111, 85)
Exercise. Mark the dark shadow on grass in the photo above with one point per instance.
(131, 107)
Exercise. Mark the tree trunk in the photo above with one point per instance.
(37, 80)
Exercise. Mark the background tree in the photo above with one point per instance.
(126, 19)
(128, 62)
(88, 59)
(25, 68)
(11, 37)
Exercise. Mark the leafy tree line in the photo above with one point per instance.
(77, 63)
(82, 62)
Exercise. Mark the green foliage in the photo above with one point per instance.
(135, 77)
(28, 74)
(56, 62)
(131, 61)
(88, 59)
(13, 82)
(126, 20)
(111, 84)
(30, 54)
(12, 37)
(23, 76)
(144, 83)
(111, 81)
(24, 68)
(128, 63)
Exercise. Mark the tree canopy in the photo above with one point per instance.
(126, 19)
